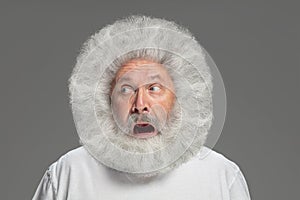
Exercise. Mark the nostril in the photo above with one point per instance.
(140, 110)
(136, 110)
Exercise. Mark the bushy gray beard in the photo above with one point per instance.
(167, 132)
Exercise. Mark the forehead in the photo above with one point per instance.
(143, 70)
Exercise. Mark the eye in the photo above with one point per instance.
(155, 88)
(126, 89)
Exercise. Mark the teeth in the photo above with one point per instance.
(143, 128)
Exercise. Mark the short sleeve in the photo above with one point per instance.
(46, 189)
(239, 189)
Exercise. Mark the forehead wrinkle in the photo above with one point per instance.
(149, 76)
(134, 64)
(152, 75)
(148, 79)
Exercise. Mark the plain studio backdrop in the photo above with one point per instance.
(255, 45)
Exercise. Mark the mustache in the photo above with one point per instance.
(134, 118)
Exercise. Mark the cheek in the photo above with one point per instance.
(167, 101)
(120, 108)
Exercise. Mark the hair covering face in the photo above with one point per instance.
(103, 54)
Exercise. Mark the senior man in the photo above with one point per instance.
(142, 104)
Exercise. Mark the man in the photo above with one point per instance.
(142, 105)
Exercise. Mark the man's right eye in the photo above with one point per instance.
(126, 89)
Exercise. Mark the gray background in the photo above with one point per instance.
(255, 45)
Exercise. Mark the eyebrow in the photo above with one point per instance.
(124, 79)
(157, 76)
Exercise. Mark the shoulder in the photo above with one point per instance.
(229, 171)
(74, 160)
(56, 177)
(219, 168)
(71, 156)
(212, 157)
(216, 163)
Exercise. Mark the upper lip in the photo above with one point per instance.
(142, 123)
(139, 123)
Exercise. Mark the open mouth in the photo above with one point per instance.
(144, 130)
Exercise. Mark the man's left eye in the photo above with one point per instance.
(154, 88)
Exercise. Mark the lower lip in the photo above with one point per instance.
(144, 135)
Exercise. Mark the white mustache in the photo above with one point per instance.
(134, 118)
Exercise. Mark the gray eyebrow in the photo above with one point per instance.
(157, 76)
(124, 78)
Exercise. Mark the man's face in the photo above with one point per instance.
(142, 97)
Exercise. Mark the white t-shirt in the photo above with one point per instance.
(78, 176)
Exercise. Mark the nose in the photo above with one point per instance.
(140, 104)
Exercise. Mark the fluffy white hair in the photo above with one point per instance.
(102, 55)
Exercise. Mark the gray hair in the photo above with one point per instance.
(103, 54)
